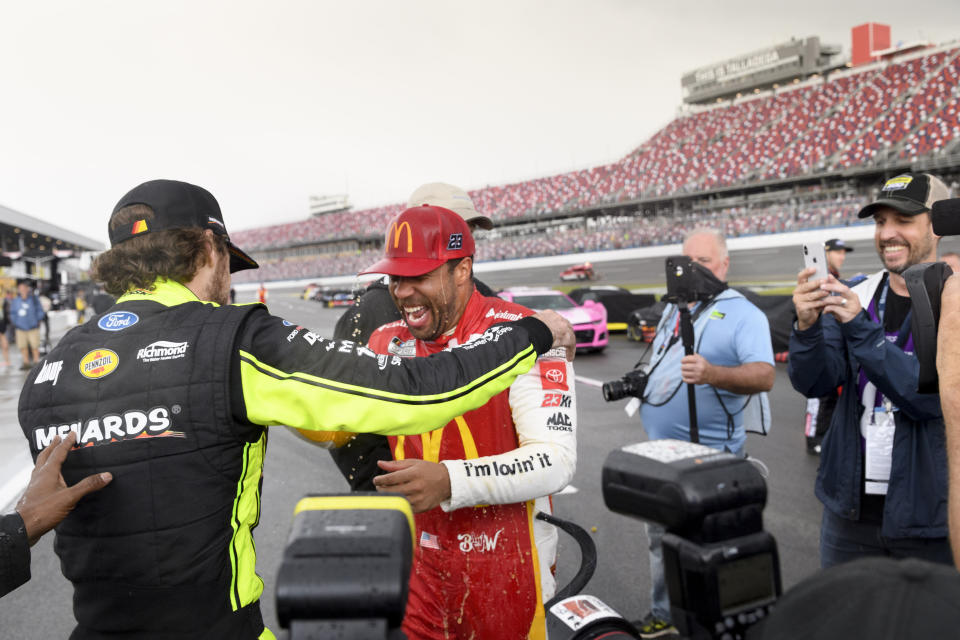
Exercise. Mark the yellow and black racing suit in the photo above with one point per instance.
(172, 395)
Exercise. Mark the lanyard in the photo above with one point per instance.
(882, 302)
(676, 332)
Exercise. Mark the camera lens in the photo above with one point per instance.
(610, 390)
(615, 390)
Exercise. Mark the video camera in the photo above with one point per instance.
(722, 569)
(346, 567)
(925, 286)
(687, 281)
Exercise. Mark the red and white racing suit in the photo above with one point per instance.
(483, 565)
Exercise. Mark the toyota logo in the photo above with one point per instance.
(554, 375)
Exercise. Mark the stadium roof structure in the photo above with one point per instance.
(28, 237)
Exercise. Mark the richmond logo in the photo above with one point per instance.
(163, 350)
(113, 427)
(98, 363)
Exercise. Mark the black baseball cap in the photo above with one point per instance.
(908, 193)
(836, 244)
(177, 205)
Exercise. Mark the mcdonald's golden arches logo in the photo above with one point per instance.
(396, 231)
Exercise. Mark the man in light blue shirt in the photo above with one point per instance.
(733, 360)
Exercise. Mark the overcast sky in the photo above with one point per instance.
(266, 103)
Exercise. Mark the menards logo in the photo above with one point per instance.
(98, 363)
(133, 424)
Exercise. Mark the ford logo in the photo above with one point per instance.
(118, 321)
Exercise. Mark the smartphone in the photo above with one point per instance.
(815, 256)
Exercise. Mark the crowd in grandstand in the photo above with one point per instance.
(888, 111)
(599, 234)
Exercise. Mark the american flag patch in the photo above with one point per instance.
(429, 540)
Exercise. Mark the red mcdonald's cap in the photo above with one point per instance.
(421, 239)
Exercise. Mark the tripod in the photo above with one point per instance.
(686, 336)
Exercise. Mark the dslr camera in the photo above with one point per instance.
(687, 281)
(633, 383)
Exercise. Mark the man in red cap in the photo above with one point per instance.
(357, 459)
(477, 483)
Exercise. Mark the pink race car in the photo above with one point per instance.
(589, 320)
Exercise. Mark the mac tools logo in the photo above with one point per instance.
(163, 350)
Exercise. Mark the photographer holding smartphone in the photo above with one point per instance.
(882, 476)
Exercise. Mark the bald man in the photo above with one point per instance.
(733, 361)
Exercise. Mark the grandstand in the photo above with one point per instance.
(795, 141)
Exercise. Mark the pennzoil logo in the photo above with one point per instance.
(133, 424)
(396, 230)
(98, 363)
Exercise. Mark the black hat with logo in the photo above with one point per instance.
(908, 193)
(177, 205)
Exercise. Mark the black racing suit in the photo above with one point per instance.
(172, 395)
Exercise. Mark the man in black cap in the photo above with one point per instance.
(837, 251)
(171, 389)
(883, 468)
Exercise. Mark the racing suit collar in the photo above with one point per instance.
(169, 293)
